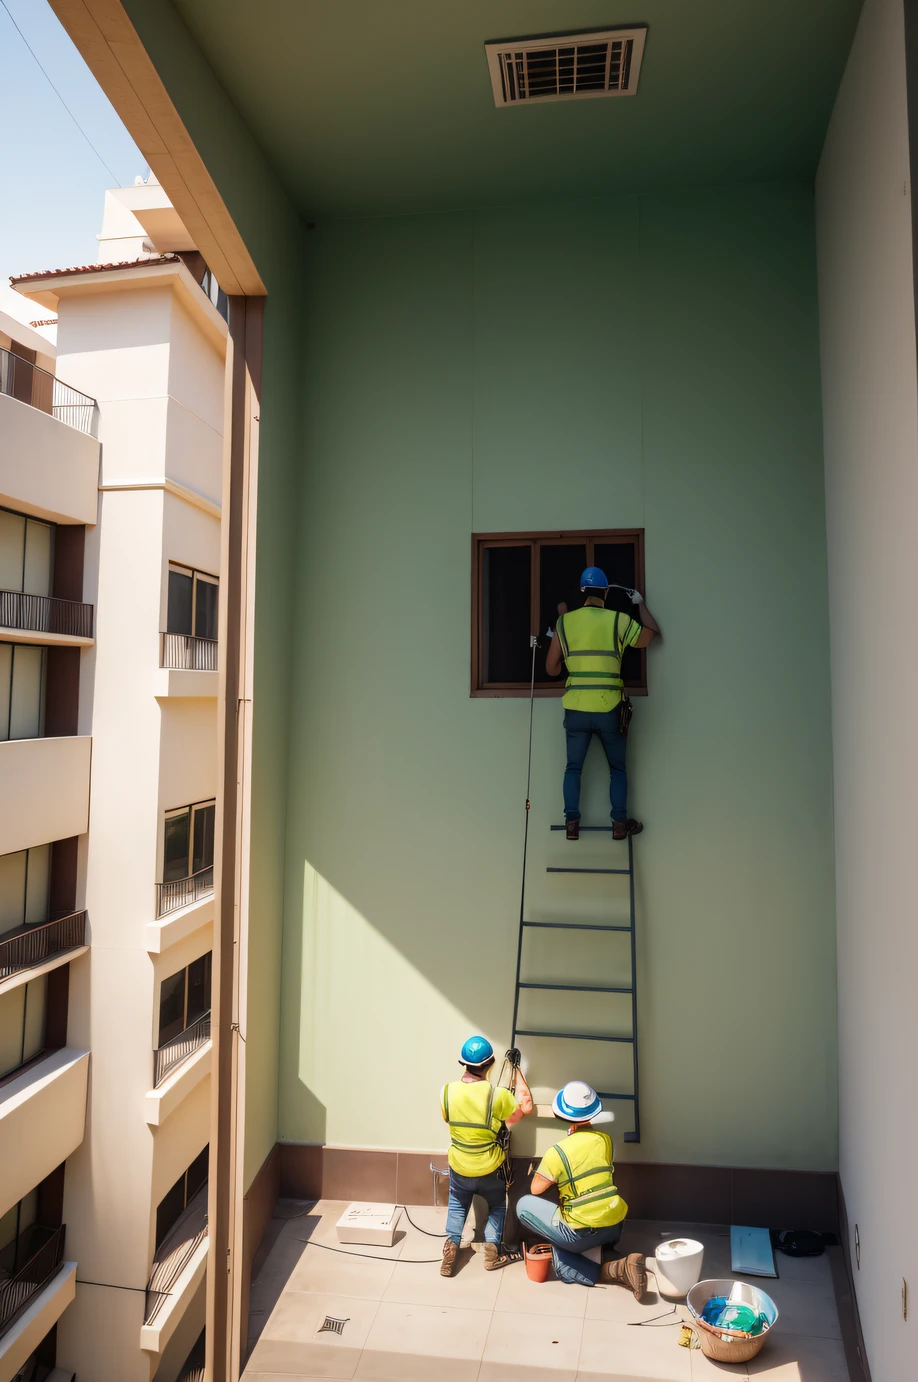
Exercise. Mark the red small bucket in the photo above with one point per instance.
(538, 1261)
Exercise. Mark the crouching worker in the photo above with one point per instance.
(591, 1213)
(475, 1112)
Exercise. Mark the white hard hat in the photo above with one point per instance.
(579, 1103)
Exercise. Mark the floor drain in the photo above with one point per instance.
(332, 1326)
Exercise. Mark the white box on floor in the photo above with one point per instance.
(363, 1222)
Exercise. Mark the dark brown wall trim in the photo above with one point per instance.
(62, 697)
(257, 1211)
(69, 546)
(63, 890)
(694, 1194)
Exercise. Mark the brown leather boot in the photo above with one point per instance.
(572, 830)
(622, 829)
(626, 1271)
(449, 1258)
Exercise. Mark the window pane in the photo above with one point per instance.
(198, 988)
(12, 538)
(37, 580)
(36, 1004)
(505, 614)
(25, 702)
(197, 1172)
(205, 612)
(171, 1007)
(38, 883)
(12, 890)
(8, 1225)
(203, 854)
(6, 685)
(12, 1006)
(175, 847)
(617, 560)
(178, 617)
(169, 1208)
(560, 568)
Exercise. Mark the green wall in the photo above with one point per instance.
(642, 361)
(273, 234)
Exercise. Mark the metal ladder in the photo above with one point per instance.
(521, 984)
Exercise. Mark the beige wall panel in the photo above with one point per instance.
(42, 1119)
(47, 468)
(45, 792)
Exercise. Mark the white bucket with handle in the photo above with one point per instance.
(678, 1266)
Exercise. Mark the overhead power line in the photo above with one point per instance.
(113, 176)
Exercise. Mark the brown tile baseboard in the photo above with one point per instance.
(654, 1190)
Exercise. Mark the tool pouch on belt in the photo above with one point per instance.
(624, 714)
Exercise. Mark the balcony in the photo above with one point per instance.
(169, 1057)
(55, 621)
(26, 382)
(187, 653)
(42, 1120)
(183, 892)
(49, 461)
(41, 947)
(178, 1268)
(45, 790)
(43, 1252)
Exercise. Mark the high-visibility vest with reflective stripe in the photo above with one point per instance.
(586, 1190)
(593, 656)
(468, 1107)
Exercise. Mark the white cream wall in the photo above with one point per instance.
(870, 402)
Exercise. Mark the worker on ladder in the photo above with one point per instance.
(590, 642)
(476, 1111)
(591, 1212)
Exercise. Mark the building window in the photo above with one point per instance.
(518, 581)
(177, 1199)
(183, 998)
(189, 841)
(192, 602)
(23, 671)
(26, 554)
(22, 1024)
(25, 881)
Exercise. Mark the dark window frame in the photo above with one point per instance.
(206, 963)
(191, 811)
(185, 1188)
(480, 686)
(198, 577)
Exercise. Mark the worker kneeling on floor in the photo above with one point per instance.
(591, 1213)
(475, 1112)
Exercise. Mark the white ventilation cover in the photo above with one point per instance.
(524, 70)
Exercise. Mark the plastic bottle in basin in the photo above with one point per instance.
(678, 1266)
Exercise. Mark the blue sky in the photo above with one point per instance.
(52, 185)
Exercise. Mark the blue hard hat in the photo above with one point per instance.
(593, 579)
(476, 1051)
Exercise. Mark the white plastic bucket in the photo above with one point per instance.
(678, 1266)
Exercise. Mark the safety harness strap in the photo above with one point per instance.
(598, 1193)
(480, 1127)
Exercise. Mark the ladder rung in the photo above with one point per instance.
(588, 871)
(577, 988)
(601, 1094)
(575, 926)
(607, 828)
(574, 1036)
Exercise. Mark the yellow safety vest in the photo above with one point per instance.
(590, 641)
(586, 1189)
(473, 1129)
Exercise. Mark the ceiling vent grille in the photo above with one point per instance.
(571, 68)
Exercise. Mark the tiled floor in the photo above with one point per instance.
(407, 1323)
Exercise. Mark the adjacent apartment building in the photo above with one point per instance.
(109, 559)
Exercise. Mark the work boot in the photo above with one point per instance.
(573, 830)
(622, 829)
(496, 1257)
(626, 1271)
(450, 1250)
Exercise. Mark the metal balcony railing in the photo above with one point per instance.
(183, 891)
(17, 1290)
(25, 381)
(170, 1056)
(32, 947)
(184, 652)
(44, 614)
(175, 1252)
(193, 1367)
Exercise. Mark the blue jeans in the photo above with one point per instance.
(492, 1188)
(567, 1244)
(581, 725)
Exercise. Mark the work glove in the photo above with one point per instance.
(636, 597)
